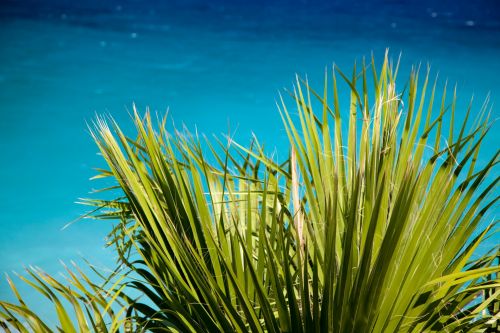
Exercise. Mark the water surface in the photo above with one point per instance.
(215, 65)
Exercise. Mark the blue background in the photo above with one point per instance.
(215, 64)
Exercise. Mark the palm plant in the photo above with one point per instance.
(373, 230)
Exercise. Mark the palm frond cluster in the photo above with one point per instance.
(372, 224)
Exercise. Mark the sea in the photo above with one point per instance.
(216, 66)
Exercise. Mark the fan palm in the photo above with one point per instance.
(373, 230)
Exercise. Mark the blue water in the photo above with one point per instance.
(215, 65)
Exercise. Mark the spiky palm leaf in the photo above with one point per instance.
(81, 305)
(378, 235)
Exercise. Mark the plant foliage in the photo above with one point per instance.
(372, 224)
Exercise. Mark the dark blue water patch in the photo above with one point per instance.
(266, 15)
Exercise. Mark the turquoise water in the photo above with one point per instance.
(214, 66)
